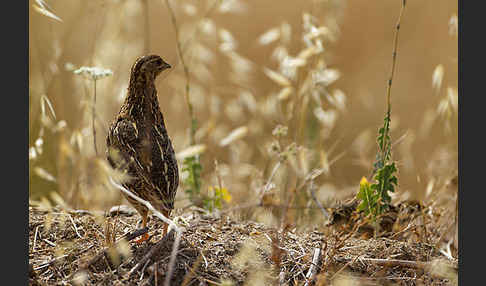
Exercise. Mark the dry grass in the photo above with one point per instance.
(218, 250)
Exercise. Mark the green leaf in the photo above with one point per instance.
(193, 167)
(367, 196)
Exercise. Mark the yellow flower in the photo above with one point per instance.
(220, 193)
(363, 182)
(225, 195)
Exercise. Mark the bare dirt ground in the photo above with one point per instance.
(73, 248)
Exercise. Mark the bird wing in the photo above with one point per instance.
(165, 176)
(127, 150)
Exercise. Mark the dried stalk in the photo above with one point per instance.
(74, 225)
(186, 73)
(400, 263)
(313, 268)
(314, 197)
(94, 118)
(394, 57)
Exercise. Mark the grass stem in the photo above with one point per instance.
(186, 73)
(94, 118)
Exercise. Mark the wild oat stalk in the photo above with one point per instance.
(93, 111)
(146, 43)
(186, 73)
(93, 73)
(375, 198)
(191, 164)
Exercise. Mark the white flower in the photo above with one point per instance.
(94, 73)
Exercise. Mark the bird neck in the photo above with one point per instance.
(141, 100)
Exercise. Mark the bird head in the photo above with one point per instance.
(149, 66)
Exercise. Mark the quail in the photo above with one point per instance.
(138, 143)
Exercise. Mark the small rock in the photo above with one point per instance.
(122, 210)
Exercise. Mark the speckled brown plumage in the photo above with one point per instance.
(138, 144)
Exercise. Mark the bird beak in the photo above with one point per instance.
(166, 66)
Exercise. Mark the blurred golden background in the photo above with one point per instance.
(229, 46)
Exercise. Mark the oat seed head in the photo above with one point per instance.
(277, 77)
(437, 77)
(269, 36)
(228, 42)
(236, 134)
(191, 151)
(232, 6)
(44, 174)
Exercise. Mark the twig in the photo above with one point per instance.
(398, 262)
(301, 248)
(404, 263)
(205, 260)
(35, 238)
(360, 278)
(313, 268)
(164, 219)
(407, 228)
(143, 269)
(267, 184)
(314, 197)
(296, 265)
(49, 242)
(447, 251)
(349, 247)
(74, 225)
(50, 262)
(268, 237)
